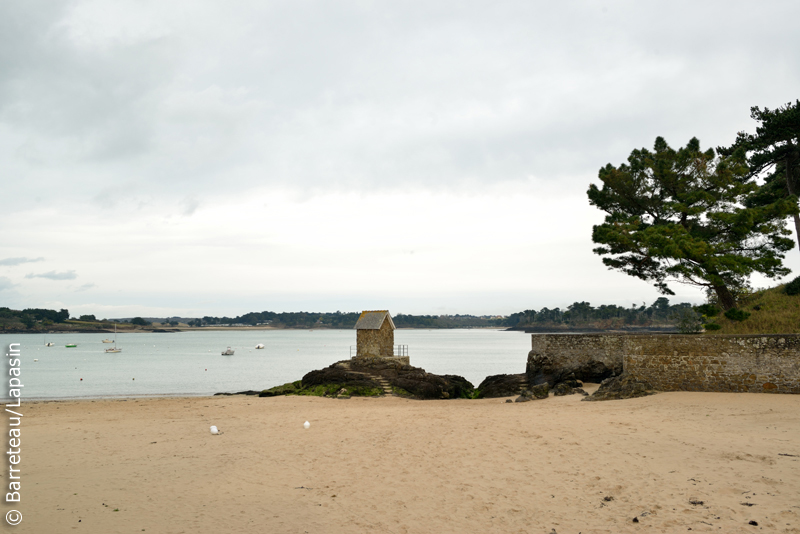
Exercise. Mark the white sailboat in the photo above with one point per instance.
(48, 343)
(114, 348)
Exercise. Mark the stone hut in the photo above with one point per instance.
(375, 334)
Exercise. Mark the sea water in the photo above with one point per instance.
(190, 363)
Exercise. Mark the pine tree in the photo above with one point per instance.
(774, 150)
(680, 216)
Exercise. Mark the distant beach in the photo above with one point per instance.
(708, 462)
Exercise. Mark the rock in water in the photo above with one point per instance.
(623, 386)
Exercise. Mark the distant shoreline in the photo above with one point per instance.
(178, 329)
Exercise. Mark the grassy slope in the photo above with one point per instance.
(779, 313)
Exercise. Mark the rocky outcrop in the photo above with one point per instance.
(291, 388)
(544, 368)
(339, 375)
(587, 357)
(542, 391)
(568, 387)
(502, 386)
(624, 386)
(373, 372)
(461, 387)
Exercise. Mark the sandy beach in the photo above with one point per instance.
(705, 462)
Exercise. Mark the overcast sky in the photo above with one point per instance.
(209, 158)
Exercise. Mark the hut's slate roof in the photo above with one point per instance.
(372, 320)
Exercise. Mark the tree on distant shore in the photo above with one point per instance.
(681, 216)
(28, 320)
(139, 321)
(774, 149)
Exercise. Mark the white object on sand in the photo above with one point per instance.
(214, 430)
(306, 425)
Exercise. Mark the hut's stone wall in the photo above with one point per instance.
(675, 362)
(375, 342)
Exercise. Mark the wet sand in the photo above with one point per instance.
(709, 462)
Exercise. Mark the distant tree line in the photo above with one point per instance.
(342, 320)
(584, 314)
(445, 321)
(284, 319)
(577, 314)
(30, 316)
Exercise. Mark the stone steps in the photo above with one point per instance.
(384, 383)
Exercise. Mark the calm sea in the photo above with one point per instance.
(190, 363)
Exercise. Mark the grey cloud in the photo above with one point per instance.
(19, 261)
(190, 205)
(53, 275)
(122, 194)
(342, 96)
(85, 287)
(5, 283)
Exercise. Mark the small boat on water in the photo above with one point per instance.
(49, 344)
(71, 345)
(227, 352)
(114, 348)
(260, 346)
(107, 341)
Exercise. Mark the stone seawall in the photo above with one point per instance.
(589, 357)
(673, 362)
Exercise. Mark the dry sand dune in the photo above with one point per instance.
(706, 462)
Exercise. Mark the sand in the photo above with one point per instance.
(706, 462)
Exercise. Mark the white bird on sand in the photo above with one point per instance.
(306, 425)
(214, 430)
